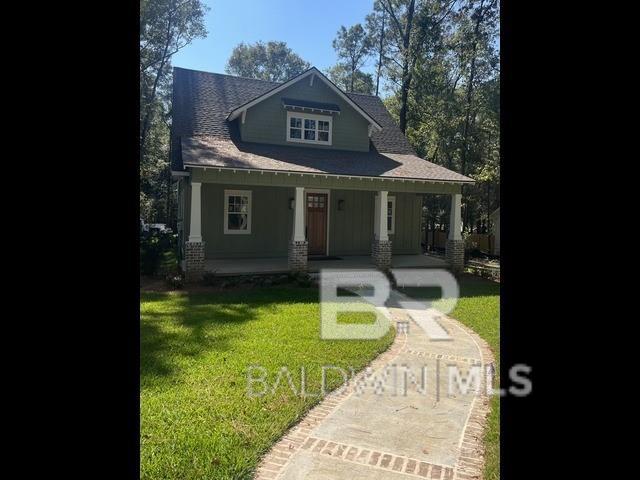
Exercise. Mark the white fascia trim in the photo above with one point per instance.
(333, 175)
(312, 71)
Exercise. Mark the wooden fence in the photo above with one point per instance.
(481, 241)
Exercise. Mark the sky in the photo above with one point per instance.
(308, 28)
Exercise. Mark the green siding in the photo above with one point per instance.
(350, 230)
(266, 121)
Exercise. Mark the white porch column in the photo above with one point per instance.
(455, 245)
(194, 248)
(455, 217)
(195, 229)
(298, 247)
(380, 221)
(381, 248)
(298, 219)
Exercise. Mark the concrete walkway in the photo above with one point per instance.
(361, 432)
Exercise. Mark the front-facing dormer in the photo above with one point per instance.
(308, 110)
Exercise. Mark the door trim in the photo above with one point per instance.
(319, 190)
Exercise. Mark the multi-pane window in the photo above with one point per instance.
(237, 211)
(391, 214)
(307, 128)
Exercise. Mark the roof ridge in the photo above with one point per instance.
(227, 75)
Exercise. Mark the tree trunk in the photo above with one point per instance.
(380, 55)
(469, 95)
(406, 74)
(146, 123)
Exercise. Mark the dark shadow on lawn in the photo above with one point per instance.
(193, 319)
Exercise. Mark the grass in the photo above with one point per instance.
(479, 308)
(197, 420)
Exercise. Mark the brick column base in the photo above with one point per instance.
(194, 261)
(381, 254)
(454, 255)
(298, 256)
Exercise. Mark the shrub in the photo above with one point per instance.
(175, 281)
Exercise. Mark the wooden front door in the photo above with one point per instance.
(317, 223)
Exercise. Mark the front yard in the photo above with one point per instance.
(196, 350)
(196, 418)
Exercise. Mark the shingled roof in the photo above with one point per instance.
(201, 135)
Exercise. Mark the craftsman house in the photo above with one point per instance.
(281, 176)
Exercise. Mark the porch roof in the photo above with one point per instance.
(209, 151)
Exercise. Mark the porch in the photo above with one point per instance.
(246, 266)
(243, 223)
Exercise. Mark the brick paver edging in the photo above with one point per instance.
(470, 462)
(278, 457)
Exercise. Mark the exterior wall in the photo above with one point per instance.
(266, 122)
(350, 230)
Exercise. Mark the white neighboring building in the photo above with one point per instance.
(495, 218)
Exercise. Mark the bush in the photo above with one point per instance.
(175, 281)
(154, 249)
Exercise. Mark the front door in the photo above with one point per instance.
(317, 223)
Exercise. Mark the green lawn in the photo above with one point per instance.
(479, 308)
(197, 420)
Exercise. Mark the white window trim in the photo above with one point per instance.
(227, 194)
(309, 116)
(392, 200)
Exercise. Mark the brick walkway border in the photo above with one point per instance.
(470, 462)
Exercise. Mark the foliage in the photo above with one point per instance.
(175, 281)
(273, 61)
(342, 77)
(352, 45)
(166, 26)
(157, 253)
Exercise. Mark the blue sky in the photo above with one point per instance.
(308, 27)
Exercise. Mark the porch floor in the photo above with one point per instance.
(240, 266)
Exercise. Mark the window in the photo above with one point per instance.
(308, 128)
(391, 214)
(237, 211)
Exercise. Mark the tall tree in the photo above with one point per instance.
(272, 61)
(352, 45)
(411, 29)
(166, 26)
(357, 82)
(377, 25)
(401, 14)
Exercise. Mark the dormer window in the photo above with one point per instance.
(309, 128)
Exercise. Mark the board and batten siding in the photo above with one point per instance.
(350, 230)
(266, 122)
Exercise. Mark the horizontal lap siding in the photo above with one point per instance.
(266, 122)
